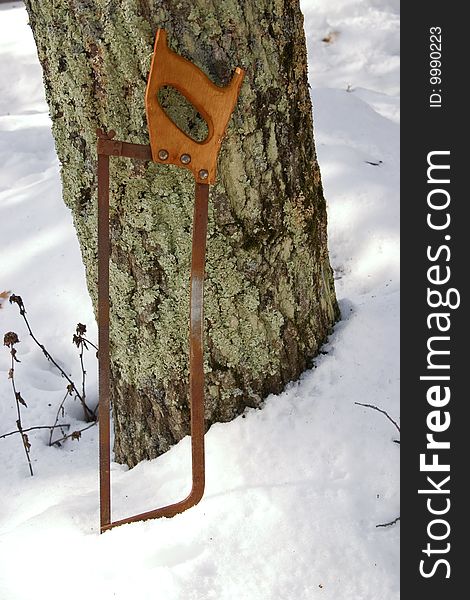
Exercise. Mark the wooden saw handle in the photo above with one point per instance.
(169, 144)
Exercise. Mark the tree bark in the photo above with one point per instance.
(270, 300)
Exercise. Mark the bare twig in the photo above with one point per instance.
(9, 340)
(89, 415)
(83, 372)
(60, 411)
(79, 341)
(75, 435)
(380, 411)
(82, 343)
(389, 523)
(87, 341)
(33, 428)
(396, 442)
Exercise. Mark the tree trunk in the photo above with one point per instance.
(270, 299)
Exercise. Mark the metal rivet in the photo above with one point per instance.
(185, 159)
(163, 154)
(203, 174)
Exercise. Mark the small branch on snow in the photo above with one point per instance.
(396, 442)
(388, 524)
(380, 411)
(75, 435)
(33, 428)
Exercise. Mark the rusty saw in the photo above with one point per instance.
(168, 145)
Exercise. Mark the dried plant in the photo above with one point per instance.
(10, 340)
(82, 343)
(88, 413)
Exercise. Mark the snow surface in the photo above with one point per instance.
(295, 490)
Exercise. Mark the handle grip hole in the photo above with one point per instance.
(183, 114)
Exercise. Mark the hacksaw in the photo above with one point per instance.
(168, 145)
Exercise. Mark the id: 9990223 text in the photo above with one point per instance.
(435, 64)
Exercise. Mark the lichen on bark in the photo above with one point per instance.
(269, 300)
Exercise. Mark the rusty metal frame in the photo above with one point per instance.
(168, 145)
(107, 147)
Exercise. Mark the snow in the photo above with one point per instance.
(295, 490)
